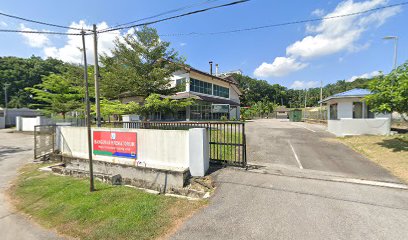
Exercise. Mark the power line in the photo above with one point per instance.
(40, 32)
(39, 22)
(173, 17)
(285, 23)
(163, 13)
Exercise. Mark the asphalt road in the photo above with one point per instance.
(15, 151)
(279, 143)
(301, 190)
(250, 205)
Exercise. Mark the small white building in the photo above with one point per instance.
(348, 114)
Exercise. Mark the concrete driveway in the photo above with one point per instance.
(250, 205)
(276, 143)
(302, 185)
(15, 151)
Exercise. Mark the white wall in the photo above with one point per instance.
(345, 109)
(179, 75)
(233, 94)
(27, 124)
(12, 113)
(131, 118)
(163, 149)
(368, 126)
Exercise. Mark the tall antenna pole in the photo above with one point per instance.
(88, 115)
(96, 76)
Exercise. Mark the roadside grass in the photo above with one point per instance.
(226, 152)
(112, 212)
(390, 152)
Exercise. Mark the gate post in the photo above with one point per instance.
(199, 160)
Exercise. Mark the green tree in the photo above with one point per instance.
(155, 103)
(58, 94)
(141, 64)
(21, 73)
(390, 92)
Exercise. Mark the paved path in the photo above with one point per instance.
(250, 205)
(15, 151)
(281, 200)
(279, 143)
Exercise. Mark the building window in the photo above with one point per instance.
(333, 111)
(181, 84)
(203, 111)
(221, 91)
(368, 113)
(200, 111)
(200, 86)
(357, 110)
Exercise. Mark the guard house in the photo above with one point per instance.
(348, 114)
(215, 96)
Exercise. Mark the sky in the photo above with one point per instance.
(297, 56)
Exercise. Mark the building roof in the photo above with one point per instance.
(204, 98)
(224, 79)
(356, 92)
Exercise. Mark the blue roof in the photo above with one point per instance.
(356, 92)
(353, 92)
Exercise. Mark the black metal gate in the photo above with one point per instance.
(228, 143)
(44, 141)
(227, 139)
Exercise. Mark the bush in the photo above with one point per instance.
(224, 118)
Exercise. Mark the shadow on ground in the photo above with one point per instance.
(396, 145)
(5, 150)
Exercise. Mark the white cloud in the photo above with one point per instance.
(3, 24)
(183, 44)
(34, 40)
(281, 66)
(304, 84)
(365, 75)
(341, 34)
(71, 51)
(318, 12)
(332, 36)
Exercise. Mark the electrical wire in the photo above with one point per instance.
(283, 24)
(162, 14)
(42, 23)
(41, 32)
(173, 17)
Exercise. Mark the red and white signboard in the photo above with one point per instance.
(116, 144)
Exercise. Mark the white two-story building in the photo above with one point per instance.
(215, 96)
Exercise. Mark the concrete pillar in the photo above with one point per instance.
(188, 112)
(19, 124)
(2, 122)
(199, 159)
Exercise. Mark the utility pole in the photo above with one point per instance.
(5, 86)
(321, 98)
(88, 115)
(96, 76)
(305, 98)
(395, 38)
(305, 103)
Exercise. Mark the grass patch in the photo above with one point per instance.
(112, 212)
(229, 153)
(390, 152)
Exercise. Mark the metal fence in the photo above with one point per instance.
(227, 139)
(44, 141)
(319, 115)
